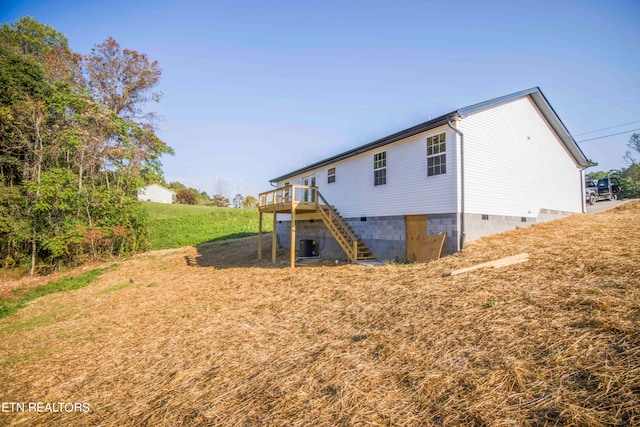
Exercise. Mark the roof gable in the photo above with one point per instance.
(159, 186)
(534, 93)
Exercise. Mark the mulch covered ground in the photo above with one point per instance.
(210, 336)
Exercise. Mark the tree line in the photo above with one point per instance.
(629, 177)
(191, 196)
(76, 141)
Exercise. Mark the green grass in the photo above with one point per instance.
(159, 211)
(10, 305)
(174, 226)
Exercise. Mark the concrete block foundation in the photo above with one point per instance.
(481, 225)
(386, 236)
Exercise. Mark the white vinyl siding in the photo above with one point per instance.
(515, 165)
(156, 193)
(408, 190)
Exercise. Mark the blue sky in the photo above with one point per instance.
(254, 89)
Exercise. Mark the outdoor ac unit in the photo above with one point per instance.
(308, 248)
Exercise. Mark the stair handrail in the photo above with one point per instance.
(335, 214)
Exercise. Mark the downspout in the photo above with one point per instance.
(583, 190)
(583, 177)
(462, 229)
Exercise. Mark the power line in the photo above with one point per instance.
(601, 95)
(611, 127)
(605, 136)
(603, 108)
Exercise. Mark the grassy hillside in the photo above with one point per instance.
(174, 226)
(208, 335)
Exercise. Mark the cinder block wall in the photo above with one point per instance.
(316, 230)
(384, 236)
(477, 227)
(438, 223)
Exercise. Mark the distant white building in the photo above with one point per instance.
(156, 193)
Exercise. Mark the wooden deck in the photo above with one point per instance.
(287, 199)
(306, 202)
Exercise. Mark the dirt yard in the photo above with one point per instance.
(210, 336)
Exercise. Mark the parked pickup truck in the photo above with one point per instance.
(591, 191)
(609, 189)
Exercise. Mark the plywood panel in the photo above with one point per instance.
(433, 246)
(420, 246)
(502, 262)
(416, 226)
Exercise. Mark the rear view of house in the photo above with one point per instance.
(489, 167)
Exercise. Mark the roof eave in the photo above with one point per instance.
(534, 93)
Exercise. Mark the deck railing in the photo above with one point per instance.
(290, 194)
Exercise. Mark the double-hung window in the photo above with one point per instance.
(436, 157)
(380, 168)
(331, 175)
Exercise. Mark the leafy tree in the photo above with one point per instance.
(237, 201)
(597, 175)
(633, 177)
(186, 197)
(629, 179)
(201, 197)
(634, 145)
(14, 226)
(250, 202)
(72, 153)
(176, 186)
(122, 80)
(32, 38)
(29, 130)
(220, 201)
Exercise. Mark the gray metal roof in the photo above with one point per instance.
(536, 96)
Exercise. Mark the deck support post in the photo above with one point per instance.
(293, 237)
(274, 239)
(260, 236)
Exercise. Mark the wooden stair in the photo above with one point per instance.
(346, 237)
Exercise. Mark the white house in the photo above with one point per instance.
(489, 167)
(156, 193)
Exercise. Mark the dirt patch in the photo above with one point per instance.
(211, 336)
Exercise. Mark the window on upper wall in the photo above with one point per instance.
(436, 157)
(380, 168)
(331, 175)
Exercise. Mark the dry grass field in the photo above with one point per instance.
(209, 336)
